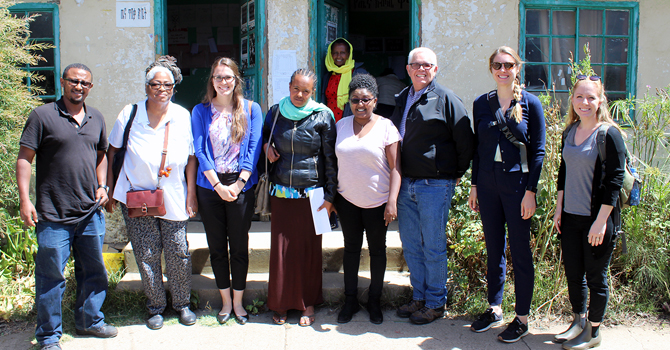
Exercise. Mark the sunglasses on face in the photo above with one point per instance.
(584, 77)
(355, 101)
(157, 86)
(220, 78)
(507, 65)
(74, 82)
(425, 66)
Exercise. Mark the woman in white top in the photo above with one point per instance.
(152, 235)
(368, 160)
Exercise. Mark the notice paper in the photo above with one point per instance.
(321, 220)
(284, 63)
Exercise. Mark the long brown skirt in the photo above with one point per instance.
(295, 257)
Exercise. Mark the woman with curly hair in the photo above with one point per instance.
(227, 135)
(152, 121)
(368, 160)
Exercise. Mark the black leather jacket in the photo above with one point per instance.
(306, 151)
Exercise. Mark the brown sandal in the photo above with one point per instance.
(278, 318)
(306, 321)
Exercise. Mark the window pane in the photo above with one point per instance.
(537, 50)
(536, 77)
(616, 50)
(48, 84)
(617, 22)
(42, 26)
(615, 78)
(564, 23)
(48, 54)
(560, 77)
(590, 22)
(537, 21)
(562, 49)
(595, 45)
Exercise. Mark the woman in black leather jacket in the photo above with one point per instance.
(302, 152)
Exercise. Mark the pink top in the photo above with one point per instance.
(226, 153)
(363, 173)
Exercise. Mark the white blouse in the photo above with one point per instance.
(143, 156)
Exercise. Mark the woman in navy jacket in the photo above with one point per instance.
(226, 135)
(587, 211)
(504, 183)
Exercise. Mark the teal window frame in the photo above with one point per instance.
(562, 5)
(27, 8)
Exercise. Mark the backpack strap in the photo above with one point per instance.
(502, 125)
(602, 149)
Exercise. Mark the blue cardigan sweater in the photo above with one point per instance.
(250, 149)
(530, 131)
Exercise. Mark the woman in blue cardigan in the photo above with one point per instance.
(226, 135)
(505, 173)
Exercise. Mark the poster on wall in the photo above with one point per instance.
(251, 10)
(243, 19)
(252, 49)
(284, 63)
(249, 87)
(133, 14)
(332, 14)
(245, 54)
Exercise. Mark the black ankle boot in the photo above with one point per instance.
(375, 310)
(349, 309)
(578, 323)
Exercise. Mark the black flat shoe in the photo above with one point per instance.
(222, 318)
(242, 319)
(187, 317)
(155, 322)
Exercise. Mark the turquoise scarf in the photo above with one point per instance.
(290, 111)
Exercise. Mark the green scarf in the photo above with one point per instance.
(346, 70)
(290, 111)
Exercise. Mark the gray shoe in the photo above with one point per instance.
(578, 323)
(583, 340)
(155, 322)
(187, 317)
(102, 331)
(51, 346)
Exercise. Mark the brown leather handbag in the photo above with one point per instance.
(149, 202)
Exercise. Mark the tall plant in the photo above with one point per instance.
(16, 100)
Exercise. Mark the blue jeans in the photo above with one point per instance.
(85, 238)
(423, 212)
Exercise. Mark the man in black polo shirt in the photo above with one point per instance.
(69, 139)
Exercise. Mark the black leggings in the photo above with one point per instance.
(227, 223)
(354, 221)
(585, 265)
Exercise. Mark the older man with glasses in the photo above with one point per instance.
(437, 147)
(69, 139)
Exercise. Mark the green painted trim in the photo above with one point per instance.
(314, 6)
(53, 8)
(261, 59)
(415, 24)
(160, 27)
(576, 3)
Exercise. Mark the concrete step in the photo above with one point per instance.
(259, 250)
(396, 287)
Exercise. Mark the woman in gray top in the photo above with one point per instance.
(587, 208)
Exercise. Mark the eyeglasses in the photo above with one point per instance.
(355, 101)
(74, 82)
(220, 78)
(157, 86)
(498, 65)
(591, 77)
(425, 66)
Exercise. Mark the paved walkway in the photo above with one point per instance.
(394, 333)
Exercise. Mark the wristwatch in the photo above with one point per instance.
(105, 187)
(243, 180)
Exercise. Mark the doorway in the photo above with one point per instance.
(380, 32)
(199, 31)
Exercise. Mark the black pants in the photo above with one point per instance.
(354, 221)
(585, 265)
(227, 223)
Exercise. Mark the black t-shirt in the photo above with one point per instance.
(66, 157)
